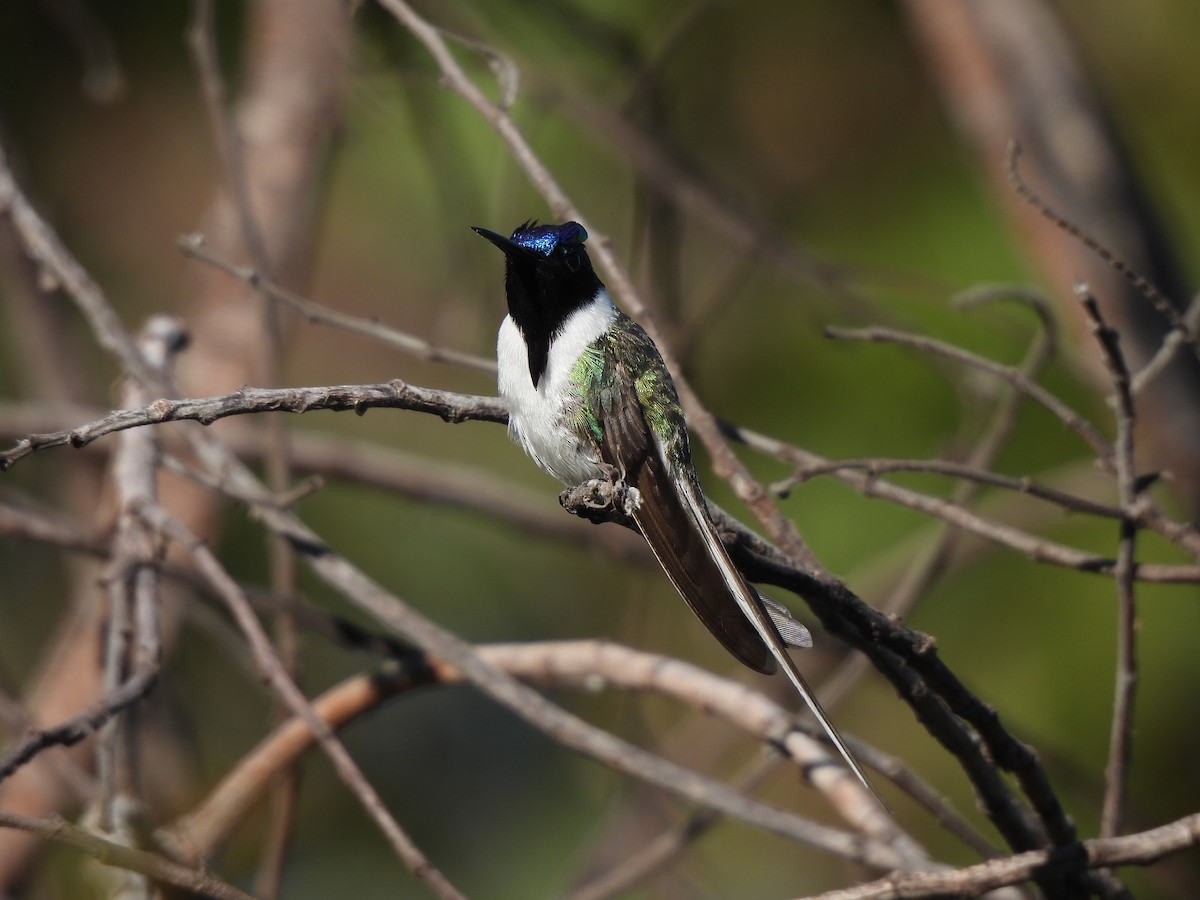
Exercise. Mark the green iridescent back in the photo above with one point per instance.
(625, 354)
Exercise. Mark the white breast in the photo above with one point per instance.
(536, 419)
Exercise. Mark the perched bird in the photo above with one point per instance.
(590, 398)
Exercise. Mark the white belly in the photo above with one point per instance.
(536, 415)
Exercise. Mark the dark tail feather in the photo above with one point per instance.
(682, 550)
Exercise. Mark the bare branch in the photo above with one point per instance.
(564, 727)
(59, 267)
(1140, 849)
(1036, 548)
(1015, 377)
(574, 664)
(1162, 360)
(875, 467)
(274, 671)
(450, 406)
(75, 729)
(1120, 748)
(153, 866)
(1161, 304)
(193, 245)
(133, 583)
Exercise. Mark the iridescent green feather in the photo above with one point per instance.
(588, 377)
(622, 354)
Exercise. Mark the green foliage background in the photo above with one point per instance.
(816, 116)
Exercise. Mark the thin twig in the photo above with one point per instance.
(76, 728)
(1161, 303)
(1140, 849)
(1120, 748)
(1013, 376)
(1036, 548)
(201, 38)
(49, 528)
(110, 853)
(1169, 349)
(449, 406)
(134, 642)
(59, 267)
(274, 671)
(875, 467)
(192, 245)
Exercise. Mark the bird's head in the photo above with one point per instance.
(547, 276)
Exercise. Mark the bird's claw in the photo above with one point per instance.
(602, 500)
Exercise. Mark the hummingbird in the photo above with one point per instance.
(590, 399)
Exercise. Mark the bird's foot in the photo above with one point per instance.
(599, 500)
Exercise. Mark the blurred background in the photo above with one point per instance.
(765, 169)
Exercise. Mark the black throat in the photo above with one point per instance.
(541, 297)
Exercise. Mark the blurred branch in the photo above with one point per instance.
(1009, 374)
(1036, 548)
(192, 245)
(76, 728)
(51, 529)
(1010, 71)
(564, 727)
(57, 267)
(1171, 345)
(560, 664)
(1161, 304)
(103, 79)
(133, 650)
(153, 866)
(875, 467)
(276, 674)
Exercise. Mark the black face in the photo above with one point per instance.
(547, 277)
